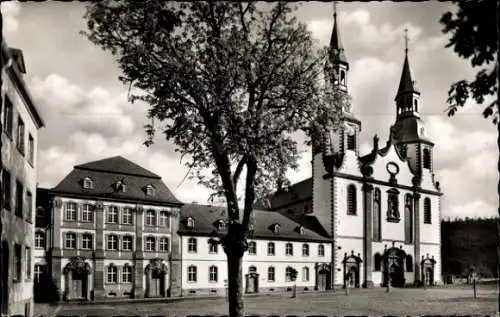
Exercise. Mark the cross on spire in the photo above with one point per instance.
(334, 9)
(406, 40)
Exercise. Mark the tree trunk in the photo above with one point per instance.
(235, 283)
(498, 189)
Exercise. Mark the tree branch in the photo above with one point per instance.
(239, 169)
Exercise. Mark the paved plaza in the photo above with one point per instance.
(372, 302)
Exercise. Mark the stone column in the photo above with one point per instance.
(416, 210)
(99, 291)
(368, 211)
(175, 256)
(138, 289)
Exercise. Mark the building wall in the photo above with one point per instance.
(15, 229)
(202, 259)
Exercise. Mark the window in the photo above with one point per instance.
(17, 262)
(301, 230)
(70, 240)
(377, 262)
(70, 211)
(408, 219)
(150, 218)
(87, 183)
(127, 274)
(305, 249)
(120, 186)
(8, 117)
(163, 244)
(427, 159)
(212, 273)
(416, 105)
(213, 247)
(38, 272)
(112, 242)
(190, 223)
(192, 273)
(221, 225)
(192, 245)
(164, 219)
(127, 216)
(27, 253)
(288, 274)
(321, 250)
(127, 243)
(270, 274)
(150, 244)
(150, 190)
(31, 149)
(427, 210)
(87, 241)
(270, 248)
(29, 206)
(351, 142)
(252, 248)
(305, 274)
(20, 135)
(409, 263)
(112, 214)
(393, 205)
(87, 213)
(377, 216)
(7, 192)
(19, 199)
(40, 240)
(351, 200)
(342, 77)
(276, 228)
(289, 249)
(112, 274)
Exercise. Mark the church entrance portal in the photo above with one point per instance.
(394, 261)
(352, 265)
(156, 276)
(77, 273)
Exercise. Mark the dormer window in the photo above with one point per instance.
(221, 225)
(150, 190)
(190, 223)
(276, 228)
(301, 230)
(120, 186)
(88, 183)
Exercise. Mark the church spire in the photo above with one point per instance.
(337, 52)
(406, 85)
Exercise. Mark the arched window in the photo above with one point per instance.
(150, 217)
(87, 242)
(342, 77)
(289, 249)
(252, 248)
(377, 216)
(87, 213)
(270, 274)
(427, 210)
(305, 274)
(212, 274)
(150, 244)
(321, 250)
(127, 273)
(416, 105)
(192, 245)
(112, 274)
(190, 223)
(87, 183)
(288, 274)
(305, 249)
(163, 244)
(377, 261)
(426, 158)
(409, 263)
(271, 248)
(351, 200)
(127, 242)
(192, 273)
(150, 190)
(213, 247)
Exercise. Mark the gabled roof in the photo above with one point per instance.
(104, 175)
(118, 165)
(206, 216)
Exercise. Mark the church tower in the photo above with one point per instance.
(408, 132)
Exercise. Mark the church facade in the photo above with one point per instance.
(380, 210)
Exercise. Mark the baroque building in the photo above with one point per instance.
(108, 229)
(381, 211)
(20, 122)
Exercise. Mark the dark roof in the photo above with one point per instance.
(337, 52)
(409, 129)
(407, 84)
(104, 175)
(206, 217)
(119, 165)
(296, 192)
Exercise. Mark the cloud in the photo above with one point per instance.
(10, 11)
(476, 208)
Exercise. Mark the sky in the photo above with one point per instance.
(87, 115)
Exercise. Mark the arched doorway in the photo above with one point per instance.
(156, 278)
(323, 277)
(4, 289)
(252, 280)
(76, 274)
(351, 270)
(427, 265)
(394, 270)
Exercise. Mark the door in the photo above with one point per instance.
(251, 283)
(78, 285)
(322, 280)
(351, 279)
(428, 276)
(156, 285)
(396, 274)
